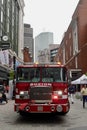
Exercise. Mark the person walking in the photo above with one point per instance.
(72, 92)
(84, 94)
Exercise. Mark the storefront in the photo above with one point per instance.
(4, 75)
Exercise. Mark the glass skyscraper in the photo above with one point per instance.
(42, 41)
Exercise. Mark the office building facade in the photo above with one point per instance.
(42, 42)
(28, 40)
(11, 35)
(11, 24)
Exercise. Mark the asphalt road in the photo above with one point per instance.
(76, 119)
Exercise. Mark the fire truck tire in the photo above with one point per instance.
(22, 113)
(63, 113)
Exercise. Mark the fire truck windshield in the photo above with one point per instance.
(41, 74)
(53, 74)
(28, 74)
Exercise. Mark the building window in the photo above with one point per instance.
(8, 26)
(70, 50)
(67, 56)
(75, 38)
(8, 12)
(1, 16)
(63, 55)
(75, 44)
(66, 42)
(2, 1)
(69, 35)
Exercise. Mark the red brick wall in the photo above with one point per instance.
(80, 15)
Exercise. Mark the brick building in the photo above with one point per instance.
(73, 48)
(26, 55)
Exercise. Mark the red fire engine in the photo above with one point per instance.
(41, 88)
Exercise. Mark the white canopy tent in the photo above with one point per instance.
(81, 80)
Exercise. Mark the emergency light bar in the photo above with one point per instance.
(42, 64)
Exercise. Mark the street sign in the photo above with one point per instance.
(5, 45)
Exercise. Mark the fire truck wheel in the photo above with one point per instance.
(22, 113)
(63, 113)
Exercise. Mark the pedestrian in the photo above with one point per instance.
(4, 87)
(71, 93)
(81, 86)
(84, 94)
(4, 98)
(7, 88)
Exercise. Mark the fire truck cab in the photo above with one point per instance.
(41, 88)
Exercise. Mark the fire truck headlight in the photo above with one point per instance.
(60, 93)
(24, 94)
(21, 94)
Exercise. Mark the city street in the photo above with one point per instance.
(76, 119)
(42, 62)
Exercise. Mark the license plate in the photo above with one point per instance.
(40, 108)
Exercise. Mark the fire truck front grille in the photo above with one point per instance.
(41, 94)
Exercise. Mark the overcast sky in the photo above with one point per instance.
(49, 15)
